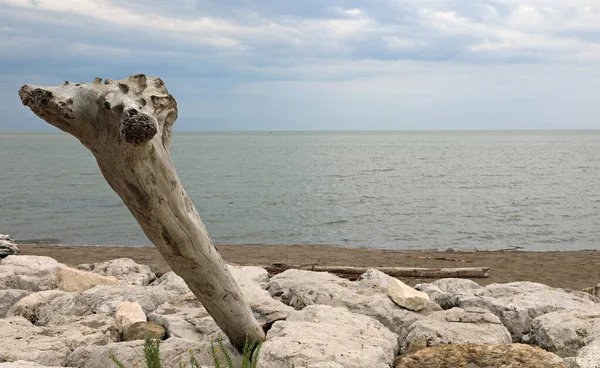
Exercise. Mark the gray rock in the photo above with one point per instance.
(7, 247)
(566, 332)
(171, 282)
(33, 273)
(516, 303)
(588, 356)
(172, 351)
(29, 307)
(144, 330)
(94, 329)
(299, 289)
(323, 336)
(21, 340)
(124, 269)
(459, 327)
(186, 318)
(251, 280)
(10, 297)
(101, 300)
(23, 364)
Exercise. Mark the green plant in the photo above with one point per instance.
(219, 353)
(151, 353)
(249, 354)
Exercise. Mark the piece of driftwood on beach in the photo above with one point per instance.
(354, 272)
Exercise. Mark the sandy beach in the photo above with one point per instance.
(569, 269)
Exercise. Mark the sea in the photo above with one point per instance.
(399, 190)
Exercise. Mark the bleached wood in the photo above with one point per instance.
(126, 124)
(459, 272)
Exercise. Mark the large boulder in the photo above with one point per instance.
(459, 327)
(21, 340)
(127, 314)
(7, 246)
(95, 329)
(31, 305)
(484, 356)
(251, 280)
(173, 351)
(566, 332)
(33, 273)
(170, 281)
(10, 297)
(323, 336)
(186, 318)
(299, 289)
(124, 269)
(515, 303)
(23, 364)
(587, 357)
(72, 279)
(101, 300)
(144, 330)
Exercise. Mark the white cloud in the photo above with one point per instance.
(353, 11)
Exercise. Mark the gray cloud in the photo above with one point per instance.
(313, 64)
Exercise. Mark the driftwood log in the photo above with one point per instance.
(354, 272)
(126, 124)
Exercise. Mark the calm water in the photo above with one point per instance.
(395, 190)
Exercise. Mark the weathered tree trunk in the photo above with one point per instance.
(127, 125)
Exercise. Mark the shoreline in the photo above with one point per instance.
(565, 269)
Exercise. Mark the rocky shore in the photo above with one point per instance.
(54, 315)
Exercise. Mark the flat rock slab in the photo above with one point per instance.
(299, 289)
(21, 340)
(566, 332)
(124, 269)
(515, 303)
(459, 327)
(131, 354)
(32, 273)
(72, 279)
(482, 356)
(324, 336)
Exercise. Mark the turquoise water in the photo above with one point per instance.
(394, 190)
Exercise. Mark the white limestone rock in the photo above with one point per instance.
(459, 327)
(515, 303)
(23, 364)
(405, 296)
(95, 329)
(10, 297)
(101, 300)
(251, 280)
(127, 314)
(588, 356)
(171, 282)
(29, 307)
(21, 340)
(33, 273)
(323, 336)
(173, 350)
(72, 279)
(299, 289)
(566, 332)
(186, 318)
(124, 269)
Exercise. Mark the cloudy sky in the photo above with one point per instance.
(313, 64)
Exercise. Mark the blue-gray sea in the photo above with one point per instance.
(539, 190)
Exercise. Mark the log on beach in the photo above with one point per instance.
(354, 272)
